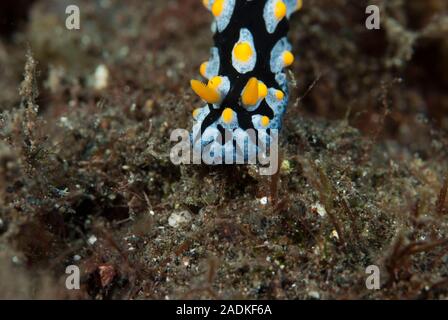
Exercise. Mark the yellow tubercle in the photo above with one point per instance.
(208, 94)
(215, 82)
(196, 113)
(299, 4)
(250, 93)
(279, 95)
(205, 3)
(203, 69)
(262, 90)
(280, 10)
(243, 51)
(227, 115)
(288, 58)
(218, 7)
(265, 121)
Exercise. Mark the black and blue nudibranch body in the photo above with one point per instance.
(246, 85)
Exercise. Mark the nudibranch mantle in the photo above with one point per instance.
(245, 85)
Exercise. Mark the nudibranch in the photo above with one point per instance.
(244, 84)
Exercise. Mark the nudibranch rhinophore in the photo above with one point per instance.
(245, 86)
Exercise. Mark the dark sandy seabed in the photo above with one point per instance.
(85, 175)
